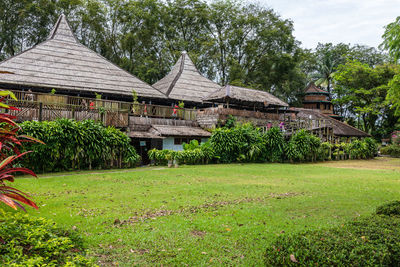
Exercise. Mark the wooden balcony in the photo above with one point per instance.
(41, 107)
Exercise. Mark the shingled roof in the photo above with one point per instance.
(312, 88)
(185, 82)
(339, 128)
(241, 95)
(61, 62)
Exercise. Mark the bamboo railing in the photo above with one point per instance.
(40, 106)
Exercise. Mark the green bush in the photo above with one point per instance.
(369, 241)
(275, 145)
(391, 150)
(302, 146)
(75, 145)
(324, 151)
(389, 209)
(28, 241)
(247, 143)
(241, 143)
(193, 153)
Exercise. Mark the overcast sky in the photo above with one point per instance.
(335, 21)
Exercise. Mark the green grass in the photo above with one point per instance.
(208, 215)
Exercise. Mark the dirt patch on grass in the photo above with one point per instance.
(198, 233)
(154, 214)
(381, 163)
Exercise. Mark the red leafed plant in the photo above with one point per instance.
(10, 144)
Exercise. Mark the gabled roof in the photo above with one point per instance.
(339, 128)
(61, 62)
(312, 88)
(244, 95)
(185, 82)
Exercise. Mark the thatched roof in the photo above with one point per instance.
(241, 95)
(61, 62)
(339, 128)
(185, 82)
(168, 130)
(312, 89)
(144, 135)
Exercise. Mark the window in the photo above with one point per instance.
(177, 141)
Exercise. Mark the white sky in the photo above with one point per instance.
(337, 21)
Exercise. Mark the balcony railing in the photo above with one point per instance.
(39, 106)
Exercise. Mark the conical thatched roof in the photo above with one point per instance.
(61, 62)
(245, 96)
(185, 82)
(312, 89)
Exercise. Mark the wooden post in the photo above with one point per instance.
(40, 111)
(73, 113)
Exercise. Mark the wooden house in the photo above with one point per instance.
(61, 78)
(63, 64)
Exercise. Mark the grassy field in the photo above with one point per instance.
(208, 215)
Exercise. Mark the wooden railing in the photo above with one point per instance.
(39, 106)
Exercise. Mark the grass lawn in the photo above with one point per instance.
(208, 215)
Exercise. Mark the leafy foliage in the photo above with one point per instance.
(391, 150)
(302, 146)
(362, 90)
(38, 242)
(10, 145)
(389, 209)
(368, 241)
(241, 143)
(76, 145)
(275, 145)
(193, 153)
(246, 143)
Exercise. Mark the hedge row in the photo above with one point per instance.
(73, 145)
(368, 241)
(246, 143)
(391, 150)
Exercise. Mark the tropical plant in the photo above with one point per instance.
(10, 145)
(275, 145)
(78, 145)
(30, 241)
(391, 150)
(302, 146)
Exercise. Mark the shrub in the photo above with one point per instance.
(391, 150)
(28, 241)
(371, 146)
(302, 146)
(389, 209)
(241, 143)
(324, 151)
(275, 145)
(369, 241)
(77, 145)
(193, 153)
(10, 145)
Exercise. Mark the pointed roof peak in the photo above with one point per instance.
(62, 31)
(312, 88)
(185, 82)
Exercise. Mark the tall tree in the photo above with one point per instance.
(362, 91)
(391, 39)
(329, 57)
